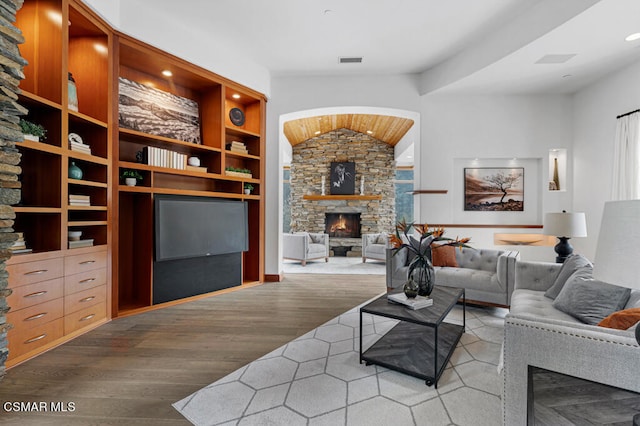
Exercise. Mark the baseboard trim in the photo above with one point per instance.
(273, 278)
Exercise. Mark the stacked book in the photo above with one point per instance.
(160, 157)
(19, 246)
(417, 302)
(79, 200)
(80, 147)
(238, 147)
(81, 243)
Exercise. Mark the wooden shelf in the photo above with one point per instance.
(149, 139)
(429, 191)
(40, 146)
(87, 223)
(342, 197)
(20, 209)
(235, 131)
(87, 183)
(240, 155)
(87, 118)
(88, 208)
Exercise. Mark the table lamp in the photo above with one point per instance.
(618, 249)
(564, 226)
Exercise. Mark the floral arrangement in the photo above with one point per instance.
(421, 247)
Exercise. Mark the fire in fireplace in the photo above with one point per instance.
(342, 225)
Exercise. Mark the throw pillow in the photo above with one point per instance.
(570, 265)
(634, 300)
(621, 320)
(590, 300)
(382, 239)
(316, 238)
(444, 255)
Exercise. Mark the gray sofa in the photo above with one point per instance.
(537, 334)
(486, 275)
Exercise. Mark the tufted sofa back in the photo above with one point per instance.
(481, 259)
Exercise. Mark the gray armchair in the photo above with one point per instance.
(374, 246)
(305, 246)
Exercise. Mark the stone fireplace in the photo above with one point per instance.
(342, 225)
(311, 161)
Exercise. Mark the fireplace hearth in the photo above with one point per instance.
(342, 225)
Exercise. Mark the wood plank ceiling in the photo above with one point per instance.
(385, 128)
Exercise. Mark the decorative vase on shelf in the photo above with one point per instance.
(247, 191)
(74, 171)
(72, 94)
(410, 288)
(421, 271)
(130, 181)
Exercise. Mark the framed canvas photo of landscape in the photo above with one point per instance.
(157, 112)
(494, 189)
(343, 178)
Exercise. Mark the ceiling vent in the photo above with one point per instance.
(555, 59)
(350, 59)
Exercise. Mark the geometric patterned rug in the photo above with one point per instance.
(317, 379)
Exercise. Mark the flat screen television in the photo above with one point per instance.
(188, 227)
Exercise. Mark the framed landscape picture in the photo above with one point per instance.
(343, 178)
(156, 112)
(494, 189)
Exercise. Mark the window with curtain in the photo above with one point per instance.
(404, 194)
(626, 160)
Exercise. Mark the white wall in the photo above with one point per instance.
(456, 129)
(292, 94)
(594, 123)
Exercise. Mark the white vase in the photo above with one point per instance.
(130, 181)
(31, 138)
(247, 191)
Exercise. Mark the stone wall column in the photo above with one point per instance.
(312, 159)
(11, 65)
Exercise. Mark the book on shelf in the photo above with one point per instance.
(417, 302)
(80, 147)
(238, 147)
(21, 251)
(81, 243)
(19, 245)
(196, 169)
(161, 157)
(79, 200)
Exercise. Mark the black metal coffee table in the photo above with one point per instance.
(422, 342)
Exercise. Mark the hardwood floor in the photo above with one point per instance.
(132, 369)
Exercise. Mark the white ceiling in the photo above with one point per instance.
(461, 45)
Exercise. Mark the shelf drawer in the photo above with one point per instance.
(33, 272)
(84, 317)
(34, 316)
(85, 262)
(84, 280)
(33, 294)
(21, 343)
(85, 299)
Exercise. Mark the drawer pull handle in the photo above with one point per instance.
(86, 299)
(38, 272)
(36, 316)
(35, 339)
(88, 280)
(87, 262)
(36, 294)
(87, 318)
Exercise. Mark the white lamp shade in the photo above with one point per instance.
(565, 224)
(617, 258)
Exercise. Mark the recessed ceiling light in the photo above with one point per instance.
(100, 48)
(369, 132)
(235, 96)
(167, 73)
(317, 132)
(632, 37)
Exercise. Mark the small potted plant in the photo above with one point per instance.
(248, 188)
(237, 172)
(32, 131)
(131, 177)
